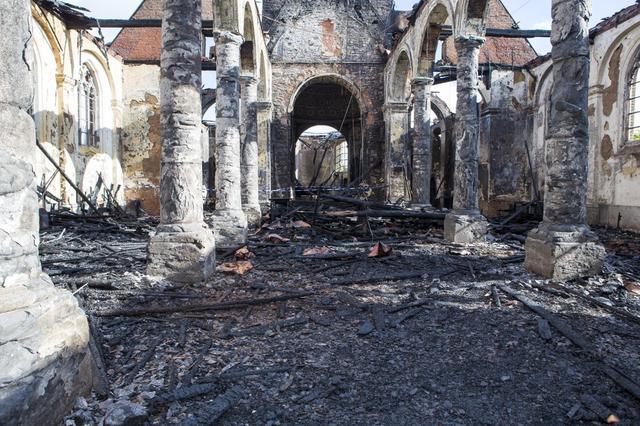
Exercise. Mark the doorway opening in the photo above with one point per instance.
(322, 158)
(326, 133)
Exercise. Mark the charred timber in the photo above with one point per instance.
(447, 31)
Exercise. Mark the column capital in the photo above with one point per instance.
(228, 37)
(396, 107)
(422, 81)
(469, 42)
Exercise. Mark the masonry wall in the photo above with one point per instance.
(141, 139)
(326, 38)
(505, 137)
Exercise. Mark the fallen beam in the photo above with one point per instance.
(357, 202)
(577, 339)
(67, 178)
(237, 304)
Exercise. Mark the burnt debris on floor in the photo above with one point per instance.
(380, 318)
(318, 212)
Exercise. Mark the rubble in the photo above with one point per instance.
(311, 338)
(363, 275)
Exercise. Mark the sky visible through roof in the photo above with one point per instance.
(530, 14)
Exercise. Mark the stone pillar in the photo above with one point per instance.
(44, 361)
(67, 131)
(422, 163)
(249, 151)
(182, 248)
(231, 221)
(264, 111)
(395, 152)
(563, 247)
(465, 224)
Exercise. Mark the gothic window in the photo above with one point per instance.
(633, 104)
(342, 157)
(87, 114)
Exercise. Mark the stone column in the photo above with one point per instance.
(250, 186)
(182, 249)
(563, 247)
(465, 224)
(231, 221)
(264, 111)
(44, 361)
(395, 152)
(422, 162)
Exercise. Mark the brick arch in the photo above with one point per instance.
(439, 13)
(329, 78)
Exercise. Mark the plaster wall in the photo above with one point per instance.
(58, 56)
(141, 138)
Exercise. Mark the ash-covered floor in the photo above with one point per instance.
(316, 332)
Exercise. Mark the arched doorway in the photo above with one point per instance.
(322, 158)
(443, 154)
(333, 103)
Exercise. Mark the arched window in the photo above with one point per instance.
(633, 104)
(342, 157)
(87, 114)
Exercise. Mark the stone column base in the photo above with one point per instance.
(563, 255)
(230, 228)
(465, 228)
(181, 255)
(254, 215)
(45, 363)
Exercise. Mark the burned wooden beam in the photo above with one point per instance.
(125, 23)
(67, 178)
(447, 31)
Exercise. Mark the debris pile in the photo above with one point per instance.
(383, 322)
